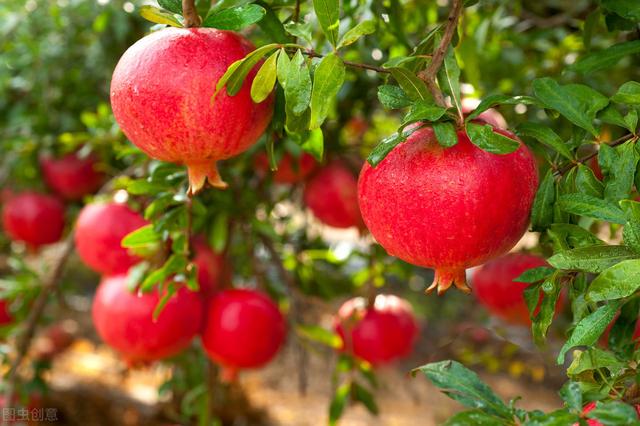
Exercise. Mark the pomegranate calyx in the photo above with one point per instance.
(201, 173)
(445, 278)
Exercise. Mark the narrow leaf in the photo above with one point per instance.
(265, 79)
(327, 81)
(619, 281)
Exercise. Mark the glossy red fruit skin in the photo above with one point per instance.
(213, 271)
(124, 320)
(448, 208)
(71, 176)
(243, 329)
(332, 196)
(378, 335)
(290, 169)
(100, 229)
(495, 289)
(33, 218)
(5, 315)
(161, 95)
(595, 167)
(490, 116)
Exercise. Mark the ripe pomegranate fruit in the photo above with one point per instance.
(378, 334)
(161, 95)
(72, 177)
(490, 116)
(243, 329)
(290, 169)
(495, 289)
(448, 208)
(332, 196)
(124, 320)
(99, 232)
(213, 272)
(33, 218)
(5, 315)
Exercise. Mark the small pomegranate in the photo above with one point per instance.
(33, 218)
(124, 320)
(99, 232)
(243, 329)
(71, 176)
(5, 314)
(212, 267)
(490, 116)
(595, 167)
(332, 196)
(379, 334)
(290, 169)
(495, 289)
(161, 95)
(448, 208)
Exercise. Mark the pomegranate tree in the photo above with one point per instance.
(495, 288)
(124, 320)
(251, 321)
(332, 196)
(71, 176)
(378, 334)
(33, 218)
(448, 208)
(161, 95)
(290, 169)
(212, 267)
(100, 229)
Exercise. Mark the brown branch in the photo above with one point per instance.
(190, 14)
(314, 54)
(429, 75)
(586, 158)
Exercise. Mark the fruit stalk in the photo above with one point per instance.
(190, 14)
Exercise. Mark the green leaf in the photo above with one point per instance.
(590, 328)
(629, 92)
(631, 232)
(606, 58)
(594, 359)
(546, 136)
(282, 67)
(494, 100)
(328, 13)
(534, 275)
(271, 25)
(141, 237)
(628, 9)
(566, 236)
(297, 90)
(385, 146)
(235, 18)
(593, 259)
(327, 81)
(463, 385)
(393, 97)
(321, 335)
(631, 120)
(542, 210)
(620, 280)
(542, 320)
(159, 16)
(473, 418)
(449, 79)
(621, 338)
(587, 182)
(622, 172)
(314, 145)
(586, 205)
(339, 402)
(423, 111)
(300, 30)
(219, 232)
(415, 88)
(612, 116)
(483, 136)
(365, 397)
(238, 71)
(446, 134)
(577, 103)
(174, 6)
(265, 79)
(361, 29)
(572, 395)
(614, 413)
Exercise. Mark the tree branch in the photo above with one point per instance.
(619, 141)
(190, 14)
(314, 54)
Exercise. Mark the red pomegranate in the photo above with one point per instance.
(332, 196)
(490, 116)
(290, 169)
(99, 232)
(71, 176)
(5, 314)
(124, 320)
(595, 167)
(212, 268)
(33, 218)
(250, 321)
(379, 334)
(495, 289)
(448, 208)
(162, 97)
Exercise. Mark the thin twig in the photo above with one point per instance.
(429, 75)
(190, 14)
(314, 54)
(189, 208)
(586, 158)
(296, 12)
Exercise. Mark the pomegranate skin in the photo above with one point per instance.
(248, 319)
(212, 267)
(332, 196)
(5, 315)
(161, 95)
(495, 289)
(448, 208)
(33, 218)
(124, 320)
(290, 169)
(380, 334)
(70, 176)
(99, 232)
